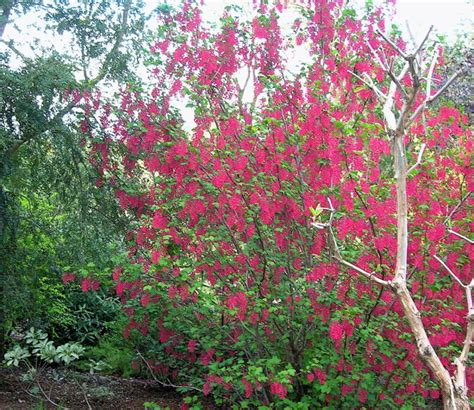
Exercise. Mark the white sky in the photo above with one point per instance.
(447, 16)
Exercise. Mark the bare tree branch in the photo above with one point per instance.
(438, 94)
(152, 373)
(368, 275)
(118, 42)
(392, 44)
(445, 86)
(10, 45)
(340, 259)
(379, 94)
(430, 72)
(449, 270)
(458, 205)
(418, 160)
(461, 236)
(420, 47)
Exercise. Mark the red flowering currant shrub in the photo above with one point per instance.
(232, 286)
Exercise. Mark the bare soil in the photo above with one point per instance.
(56, 389)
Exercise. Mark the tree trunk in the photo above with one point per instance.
(454, 398)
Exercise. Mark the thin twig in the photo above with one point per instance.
(418, 160)
(388, 70)
(430, 100)
(340, 259)
(392, 44)
(424, 41)
(371, 86)
(410, 33)
(10, 45)
(368, 275)
(449, 270)
(458, 205)
(161, 382)
(430, 72)
(461, 236)
(445, 86)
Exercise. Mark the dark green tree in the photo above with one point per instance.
(52, 212)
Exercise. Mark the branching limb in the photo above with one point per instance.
(392, 44)
(418, 160)
(340, 259)
(388, 70)
(455, 209)
(368, 275)
(461, 236)
(152, 373)
(118, 42)
(374, 53)
(10, 45)
(449, 270)
(410, 33)
(369, 83)
(420, 47)
(431, 71)
(445, 86)
(438, 94)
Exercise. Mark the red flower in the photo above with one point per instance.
(145, 299)
(192, 346)
(238, 300)
(159, 221)
(278, 389)
(336, 331)
(206, 389)
(68, 277)
(85, 284)
(321, 375)
(363, 395)
(247, 387)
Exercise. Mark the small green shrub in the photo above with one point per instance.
(113, 355)
(37, 346)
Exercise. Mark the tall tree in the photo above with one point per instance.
(43, 160)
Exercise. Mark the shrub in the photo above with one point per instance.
(261, 233)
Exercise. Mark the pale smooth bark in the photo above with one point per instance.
(454, 389)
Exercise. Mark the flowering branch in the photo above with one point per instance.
(338, 256)
(392, 44)
(449, 270)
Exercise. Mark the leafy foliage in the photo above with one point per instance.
(232, 287)
(52, 212)
(37, 345)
